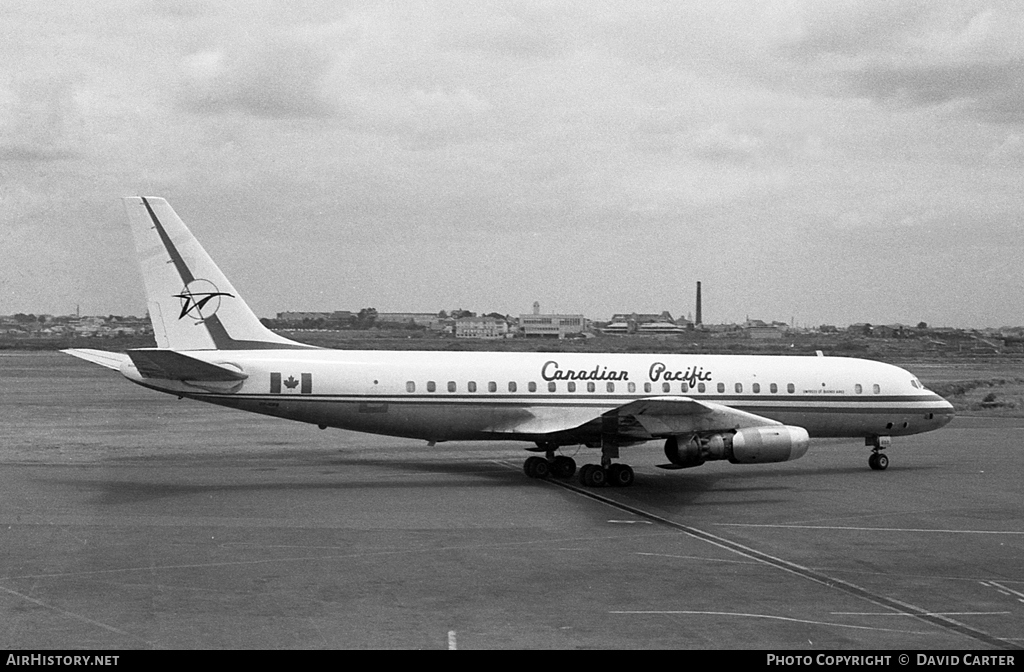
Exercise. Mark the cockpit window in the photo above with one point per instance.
(916, 383)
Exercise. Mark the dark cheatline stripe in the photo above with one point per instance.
(179, 263)
(559, 401)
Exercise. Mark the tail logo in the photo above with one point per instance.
(200, 300)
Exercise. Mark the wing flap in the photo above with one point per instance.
(171, 365)
(665, 416)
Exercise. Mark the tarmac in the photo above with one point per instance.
(132, 520)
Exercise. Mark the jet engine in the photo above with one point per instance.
(750, 445)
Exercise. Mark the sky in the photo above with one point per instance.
(809, 162)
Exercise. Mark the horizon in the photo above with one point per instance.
(839, 325)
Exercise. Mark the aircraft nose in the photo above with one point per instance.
(945, 413)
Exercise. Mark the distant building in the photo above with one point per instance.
(761, 330)
(480, 327)
(428, 320)
(643, 323)
(538, 325)
(297, 316)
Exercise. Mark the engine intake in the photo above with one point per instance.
(750, 445)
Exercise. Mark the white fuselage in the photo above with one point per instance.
(440, 396)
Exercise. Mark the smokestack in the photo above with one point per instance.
(698, 321)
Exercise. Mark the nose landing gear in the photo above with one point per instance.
(878, 461)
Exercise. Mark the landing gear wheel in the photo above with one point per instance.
(620, 475)
(592, 475)
(878, 461)
(536, 467)
(563, 467)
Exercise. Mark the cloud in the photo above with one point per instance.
(965, 57)
(271, 78)
(40, 122)
(992, 91)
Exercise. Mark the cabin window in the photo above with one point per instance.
(431, 386)
(532, 386)
(610, 386)
(876, 389)
(492, 386)
(571, 385)
(552, 386)
(701, 387)
(773, 388)
(591, 387)
(790, 387)
(721, 387)
(471, 385)
(858, 388)
(410, 386)
(631, 387)
(756, 387)
(647, 388)
(684, 388)
(511, 387)
(452, 386)
(738, 387)
(666, 387)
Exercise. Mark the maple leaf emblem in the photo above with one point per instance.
(291, 383)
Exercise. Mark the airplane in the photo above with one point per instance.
(747, 409)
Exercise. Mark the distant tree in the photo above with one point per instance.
(922, 325)
(443, 315)
(366, 318)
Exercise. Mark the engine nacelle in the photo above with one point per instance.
(778, 443)
(684, 453)
(750, 445)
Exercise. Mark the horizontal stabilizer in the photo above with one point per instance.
(111, 360)
(171, 365)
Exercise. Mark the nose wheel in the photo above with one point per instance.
(878, 461)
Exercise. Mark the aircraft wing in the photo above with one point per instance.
(642, 419)
(111, 360)
(664, 416)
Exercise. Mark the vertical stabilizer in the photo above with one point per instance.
(192, 305)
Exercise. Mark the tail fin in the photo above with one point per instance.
(192, 305)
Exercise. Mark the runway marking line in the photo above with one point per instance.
(1008, 590)
(697, 557)
(71, 614)
(319, 558)
(934, 613)
(869, 529)
(769, 617)
(938, 620)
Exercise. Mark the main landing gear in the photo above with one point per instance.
(878, 461)
(618, 474)
(591, 475)
(559, 467)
